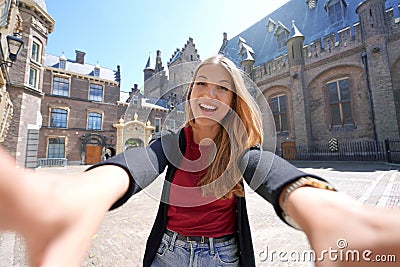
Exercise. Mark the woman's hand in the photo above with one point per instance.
(57, 215)
(342, 231)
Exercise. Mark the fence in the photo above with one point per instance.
(388, 150)
(52, 162)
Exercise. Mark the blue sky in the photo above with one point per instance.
(125, 32)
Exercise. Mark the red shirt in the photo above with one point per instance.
(189, 213)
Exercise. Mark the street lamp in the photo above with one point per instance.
(15, 45)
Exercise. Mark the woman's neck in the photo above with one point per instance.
(201, 133)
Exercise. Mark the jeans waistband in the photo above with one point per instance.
(200, 239)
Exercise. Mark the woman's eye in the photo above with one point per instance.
(224, 88)
(201, 83)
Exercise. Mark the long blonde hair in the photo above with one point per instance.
(241, 129)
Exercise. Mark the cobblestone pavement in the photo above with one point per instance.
(121, 238)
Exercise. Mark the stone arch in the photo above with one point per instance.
(132, 133)
(93, 147)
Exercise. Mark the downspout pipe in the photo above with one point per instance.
(371, 104)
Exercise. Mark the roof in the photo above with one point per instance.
(149, 64)
(311, 23)
(42, 4)
(84, 69)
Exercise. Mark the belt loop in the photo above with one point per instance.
(173, 239)
(211, 240)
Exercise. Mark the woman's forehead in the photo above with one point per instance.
(214, 73)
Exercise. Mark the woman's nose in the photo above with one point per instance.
(211, 90)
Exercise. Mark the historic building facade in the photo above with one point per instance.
(26, 77)
(79, 108)
(164, 89)
(330, 70)
(10, 25)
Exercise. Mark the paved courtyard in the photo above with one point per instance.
(121, 239)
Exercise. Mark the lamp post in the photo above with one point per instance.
(15, 45)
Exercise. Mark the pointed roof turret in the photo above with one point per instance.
(149, 64)
(63, 57)
(295, 32)
(247, 56)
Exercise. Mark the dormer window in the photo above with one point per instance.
(311, 3)
(96, 71)
(63, 62)
(271, 25)
(335, 10)
(281, 35)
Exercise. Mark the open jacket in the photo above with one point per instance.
(263, 171)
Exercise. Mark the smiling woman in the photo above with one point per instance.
(202, 218)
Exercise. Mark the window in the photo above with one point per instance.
(96, 72)
(94, 121)
(311, 3)
(4, 11)
(157, 124)
(58, 118)
(171, 125)
(340, 102)
(281, 39)
(96, 92)
(60, 86)
(62, 64)
(56, 148)
(35, 54)
(135, 100)
(33, 77)
(335, 12)
(278, 105)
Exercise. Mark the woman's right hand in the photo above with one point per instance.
(57, 215)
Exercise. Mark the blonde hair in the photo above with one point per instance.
(241, 129)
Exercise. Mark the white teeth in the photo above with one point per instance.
(209, 107)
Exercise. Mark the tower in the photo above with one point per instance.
(374, 31)
(295, 43)
(149, 69)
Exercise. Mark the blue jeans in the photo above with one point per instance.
(172, 252)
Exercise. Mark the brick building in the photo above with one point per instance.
(330, 70)
(79, 108)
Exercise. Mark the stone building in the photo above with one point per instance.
(10, 27)
(26, 75)
(164, 88)
(330, 70)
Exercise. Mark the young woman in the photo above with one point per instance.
(202, 218)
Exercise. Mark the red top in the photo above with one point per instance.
(189, 213)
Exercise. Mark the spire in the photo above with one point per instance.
(149, 64)
(247, 56)
(295, 32)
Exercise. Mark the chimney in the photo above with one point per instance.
(80, 57)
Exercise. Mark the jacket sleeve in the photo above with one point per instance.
(267, 174)
(143, 165)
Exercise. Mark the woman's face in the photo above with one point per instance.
(211, 95)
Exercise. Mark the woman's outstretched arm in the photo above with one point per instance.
(344, 232)
(57, 215)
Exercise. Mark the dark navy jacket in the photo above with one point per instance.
(263, 171)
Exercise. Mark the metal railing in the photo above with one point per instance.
(52, 162)
(384, 151)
